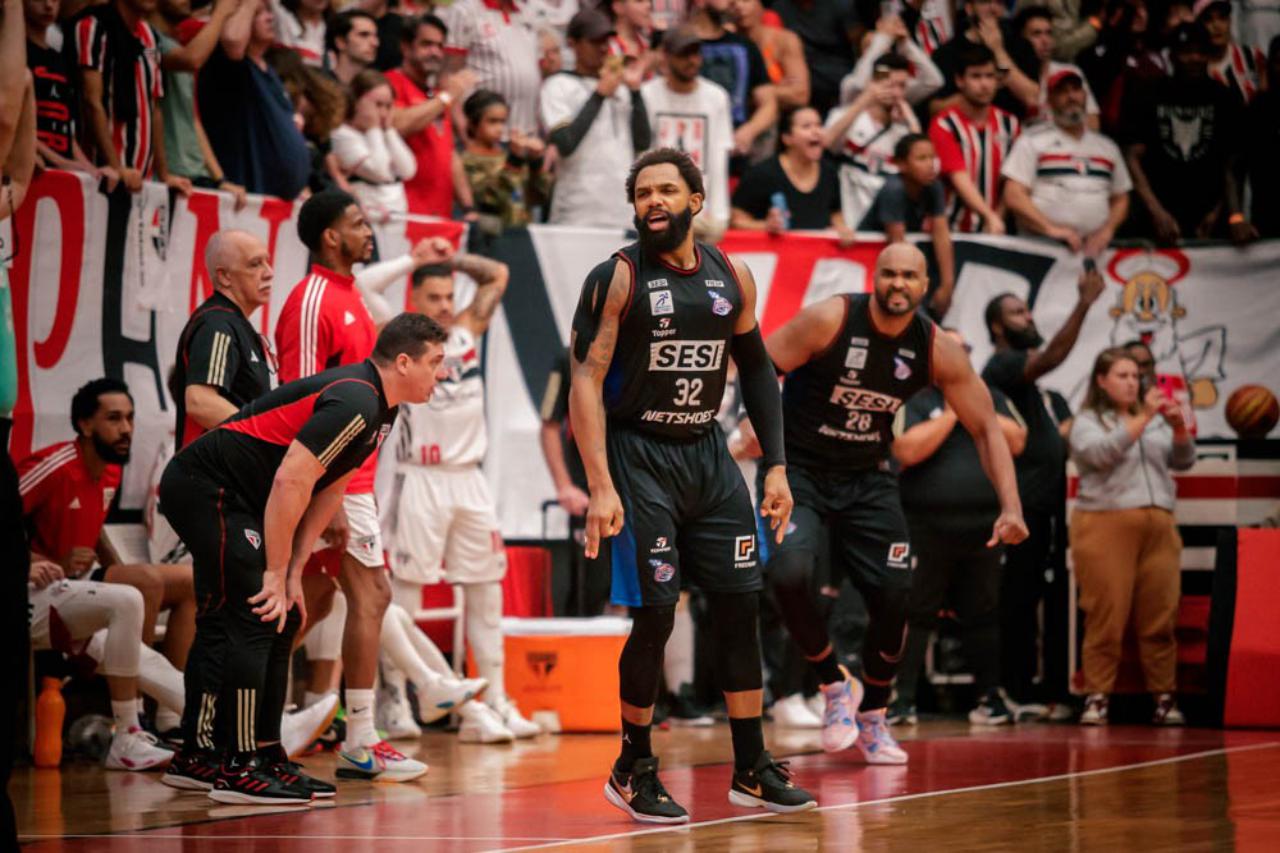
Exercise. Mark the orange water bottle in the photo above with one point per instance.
(50, 711)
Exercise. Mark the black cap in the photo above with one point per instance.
(1189, 36)
(678, 40)
(589, 24)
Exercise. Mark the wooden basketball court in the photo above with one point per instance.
(1048, 787)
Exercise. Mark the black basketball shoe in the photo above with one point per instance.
(250, 782)
(192, 770)
(276, 761)
(641, 795)
(768, 785)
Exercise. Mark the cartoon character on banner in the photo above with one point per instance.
(1188, 364)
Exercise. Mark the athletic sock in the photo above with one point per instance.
(309, 698)
(360, 730)
(125, 715)
(748, 741)
(635, 744)
(167, 719)
(828, 668)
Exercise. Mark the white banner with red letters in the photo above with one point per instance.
(103, 285)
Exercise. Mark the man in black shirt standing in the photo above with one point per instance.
(1014, 368)
(734, 62)
(652, 337)
(851, 361)
(248, 499)
(949, 504)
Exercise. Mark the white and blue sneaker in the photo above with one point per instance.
(875, 741)
(380, 762)
(839, 723)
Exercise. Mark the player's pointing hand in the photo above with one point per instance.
(777, 502)
(604, 518)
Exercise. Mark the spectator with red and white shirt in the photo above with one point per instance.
(300, 26)
(1065, 181)
(67, 490)
(973, 137)
(118, 54)
(1242, 68)
(632, 38)
(496, 40)
(1035, 25)
(421, 116)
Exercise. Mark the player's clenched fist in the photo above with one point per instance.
(777, 503)
(1009, 529)
(604, 518)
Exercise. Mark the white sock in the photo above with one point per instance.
(324, 639)
(399, 650)
(677, 661)
(310, 698)
(125, 714)
(360, 730)
(167, 719)
(426, 649)
(483, 604)
(161, 681)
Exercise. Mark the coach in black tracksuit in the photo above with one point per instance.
(241, 497)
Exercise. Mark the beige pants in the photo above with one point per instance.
(1128, 568)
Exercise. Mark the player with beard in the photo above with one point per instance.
(1014, 368)
(652, 336)
(851, 361)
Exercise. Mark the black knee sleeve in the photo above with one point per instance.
(886, 634)
(640, 664)
(791, 582)
(735, 618)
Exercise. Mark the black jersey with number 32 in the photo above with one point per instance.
(838, 408)
(668, 371)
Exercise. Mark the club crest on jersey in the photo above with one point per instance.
(856, 359)
(898, 554)
(901, 370)
(719, 305)
(383, 431)
(662, 572)
(660, 302)
(255, 539)
(744, 551)
(657, 283)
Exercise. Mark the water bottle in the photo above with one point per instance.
(779, 200)
(50, 712)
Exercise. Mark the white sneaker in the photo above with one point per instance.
(379, 762)
(438, 699)
(839, 721)
(1095, 710)
(792, 712)
(1166, 712)
(481, 724)
(299, 729)
(876, 742)
(512, 719)
(136, 749)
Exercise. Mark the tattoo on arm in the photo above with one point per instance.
(491, 283)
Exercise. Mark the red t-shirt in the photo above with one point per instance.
(430, 191)
(59, 495)
(324, 324)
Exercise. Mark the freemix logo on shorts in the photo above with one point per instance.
(898, 554)
(744, 551)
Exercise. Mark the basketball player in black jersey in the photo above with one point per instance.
(851, 361)
(652, 336)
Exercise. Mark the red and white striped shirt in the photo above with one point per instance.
(96, 49)
(1240, 70)
(977, 150)
(324, 324)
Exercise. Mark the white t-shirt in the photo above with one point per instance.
(448, 429)
(1071, 180)
(591, 183)
(379, 163)
(866, 157)
(701, 124)
(291, 32)
(502, 49)
(1041, 112)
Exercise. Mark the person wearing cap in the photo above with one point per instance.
(1063, 180)
(1035, 25)
(1240, 68)
(1184, 140)
(598, 123)
(690, 113)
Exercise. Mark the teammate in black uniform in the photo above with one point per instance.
(850, 363)
(652, 336)
(248, 499)
(222, 364)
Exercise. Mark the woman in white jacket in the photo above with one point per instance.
(1125, 548)
(370, 154)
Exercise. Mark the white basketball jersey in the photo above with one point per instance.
(449, 428)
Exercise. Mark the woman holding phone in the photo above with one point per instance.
(1125, 547)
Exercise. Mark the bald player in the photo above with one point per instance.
(851, 361)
